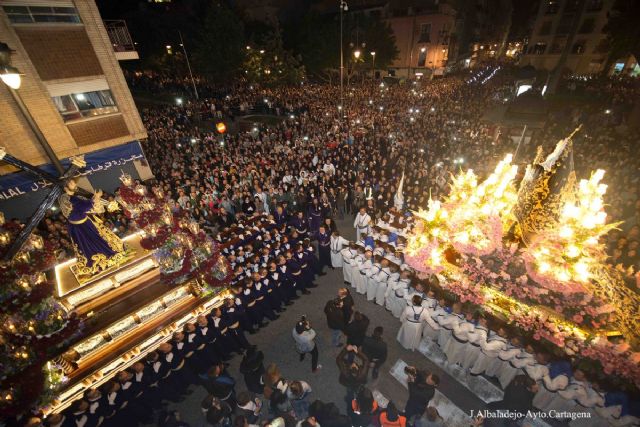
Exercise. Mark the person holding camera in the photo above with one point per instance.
(422, 388)
(335, 320)
(304, 337)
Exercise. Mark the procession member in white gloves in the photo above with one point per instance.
(502, 363)
(431, 331)
(348, 258)
(369, 277)
(459, 342)
(396, 292)
(356, 263)
(412, 319)
(337, 243)
(382, 280)
(489, 351)
(363, 268)
(447, 322)
(557, 379)
(564, 400)
(507, 372)
(475, 340)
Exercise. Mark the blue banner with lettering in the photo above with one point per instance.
(21, 183)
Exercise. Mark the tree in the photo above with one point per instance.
(623, 31)
(219, 50)
(316, 39)
(268, 63)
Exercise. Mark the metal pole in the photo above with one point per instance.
(37, 132)
(373, 76)
(184, 49)
(524, 130)
(341, 59)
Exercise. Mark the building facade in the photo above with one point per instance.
(423, 38)
(553, 26)
(72, 86)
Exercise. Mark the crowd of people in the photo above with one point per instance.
(529, 374)
(267, 193)
(341, 156)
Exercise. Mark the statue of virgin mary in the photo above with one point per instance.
(96, 247)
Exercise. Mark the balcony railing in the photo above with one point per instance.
(119, 36)
(123, 45)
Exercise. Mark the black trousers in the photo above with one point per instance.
(314, 357)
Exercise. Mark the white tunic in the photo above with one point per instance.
(501, 367)
(447, 323)
(360, 279)
(370, 281)
(432, 330)
(476, 339)
(347, 259)
(548, 390)
(591, 402)
(337, 243)
(411, 330)
(361, 224)
(356, 277)
(488, 353)
(381, 284)
(459, 342)
(396, 290)
(565, 400)
(516, 365)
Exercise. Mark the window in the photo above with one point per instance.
(425, 33)
(42, 14)
(545, 28)
(539, 48)
(587, 26)
(422, 58)
(87, 104)
(578, 47)
(552, 7)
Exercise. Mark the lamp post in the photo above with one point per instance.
(343, 8)
(186, 57)
(373, 67)
(13, 78)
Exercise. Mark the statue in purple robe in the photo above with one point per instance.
(96, 247)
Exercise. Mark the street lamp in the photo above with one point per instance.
(10, 76)
(13, 78)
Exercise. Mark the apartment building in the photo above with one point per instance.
(553, 26)
(72, 91)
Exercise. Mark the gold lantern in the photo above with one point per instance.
(36, 241)
(159, 192)
(126, 179)
(4, 237)
(140, 189)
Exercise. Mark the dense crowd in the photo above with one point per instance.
(319, 163)
(341, 156)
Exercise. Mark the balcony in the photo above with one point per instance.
(121, 41)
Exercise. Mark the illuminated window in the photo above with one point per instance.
(87, 104)
(422, 58)
(42, 14)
